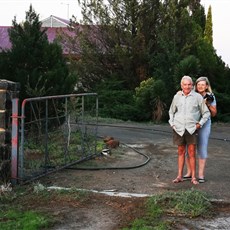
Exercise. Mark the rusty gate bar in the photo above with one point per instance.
(14, 141)
(9, 92)
(20, 169)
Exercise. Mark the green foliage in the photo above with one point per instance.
(150, 97)
(116, 102)
(189, 204)
(60, 148)
(208, 27)
(25, 220)
(120, 41)
(121, 47)
(223, 114)
(208, 60)
(16, 210)
(136, 39)
(190, 65)
(139, 224)
(38, 65)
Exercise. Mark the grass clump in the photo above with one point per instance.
(190, 204)
(27, 220)
(17, 206)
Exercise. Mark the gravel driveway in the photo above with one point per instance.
(153, 177)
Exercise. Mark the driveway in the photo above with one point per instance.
(156, 140)
(127, 178)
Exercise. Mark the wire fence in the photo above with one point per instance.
(56, 132)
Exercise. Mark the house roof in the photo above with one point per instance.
(66, 39)
(54, 21)
(54, 27)
(4, 38)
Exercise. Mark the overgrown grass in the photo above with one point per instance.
(190, 204)
(17, 207)
(58, 152)
(14, 213)
(23, 220)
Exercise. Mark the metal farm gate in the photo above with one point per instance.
(51, 133)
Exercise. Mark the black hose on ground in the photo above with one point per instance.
(115, 168)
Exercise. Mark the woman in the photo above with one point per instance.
(203, 87)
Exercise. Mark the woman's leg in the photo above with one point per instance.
(202, 148)
(202, 163)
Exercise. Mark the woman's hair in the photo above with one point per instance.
(209, 89)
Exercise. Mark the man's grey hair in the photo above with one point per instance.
(186, 78)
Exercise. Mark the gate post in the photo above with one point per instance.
(9, 92)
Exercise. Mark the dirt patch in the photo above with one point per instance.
(127, 170)
(121, 172)
(102, 212)
(87, 211)
(96, 211)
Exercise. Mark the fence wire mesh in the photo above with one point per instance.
(56, 132)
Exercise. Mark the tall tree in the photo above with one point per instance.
(177, 34)
(208, 32)
(118, 46)
(38, 65)
(129, 40)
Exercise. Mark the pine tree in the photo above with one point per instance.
(208, 33)
(118, 44)
(38, 65)
(134, 40)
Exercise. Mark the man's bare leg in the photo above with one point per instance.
(192, 162)
(181, 158)
(188, 173)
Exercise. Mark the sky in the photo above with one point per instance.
(60, 8)
(66, 8)
(221, 26)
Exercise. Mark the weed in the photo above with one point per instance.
(13, 213)
(75, 194)
(191, 203)
(17, 219)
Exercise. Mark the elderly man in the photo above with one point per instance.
(187, 113)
